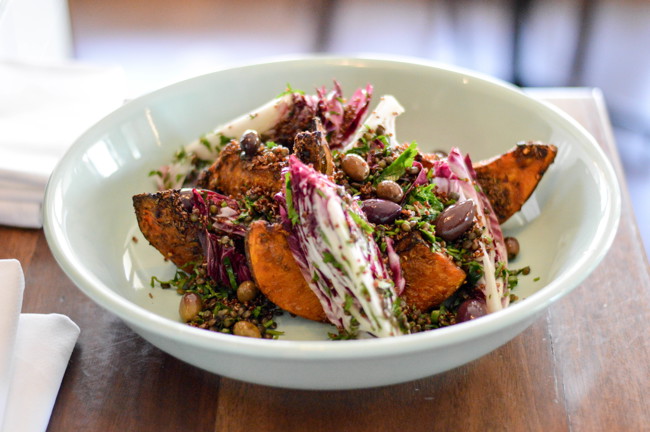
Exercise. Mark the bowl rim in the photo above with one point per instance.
(349, 349)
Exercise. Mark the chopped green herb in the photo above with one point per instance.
(231, 274)
(180, 155)
(361, 222)
(384, 140)
(328, 258)
(291, 211)
(289, 90)
(349, 301)
(425, 194)
(430, 237)
(399, 166)
(274, 333)
(223, 140)
(206, 143)
(474, 272)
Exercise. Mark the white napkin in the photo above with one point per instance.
(43, 109)
(34, 353)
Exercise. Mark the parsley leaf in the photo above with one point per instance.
(425, 194)
(397, 169)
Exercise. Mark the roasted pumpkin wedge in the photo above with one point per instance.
(277, 274)
(166, 224)
(234, 174)
(509, 179)
(431, 277)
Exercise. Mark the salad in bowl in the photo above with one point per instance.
(312, 206)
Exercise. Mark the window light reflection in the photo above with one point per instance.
(101, 159)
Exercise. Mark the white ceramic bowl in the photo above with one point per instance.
(564, 232)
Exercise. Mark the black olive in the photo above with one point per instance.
(455, 220)
(381, 211)
(471, 309)
(512, 247)
(250, 143)
(441, 154)
(190, 306)
(247, 291)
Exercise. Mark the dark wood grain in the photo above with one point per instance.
(582, 366)
(457, 400)
(18, 244)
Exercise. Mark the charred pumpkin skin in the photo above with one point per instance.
(508, 180)
(277, 274)
(431, 277)
(167, 226)
(311, 147)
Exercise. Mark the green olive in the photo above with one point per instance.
(247, 291)
(246, 329)
(190, 306)
(389, 190)
(355, 167)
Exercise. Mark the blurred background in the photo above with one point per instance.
(532, 43)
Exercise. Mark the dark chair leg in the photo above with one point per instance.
(587, 14)
(325, 11)
(520, 12)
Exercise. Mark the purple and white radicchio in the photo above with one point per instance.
(341, 117)
(221, 211)
(332, 242)
(456, 175)
(223, 242)
(226, 261)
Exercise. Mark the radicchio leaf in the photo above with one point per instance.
(381, 119)
(226, 263)
(395, 267)
(345, 118)
(455, 175)
(221, 210)
(341, 261)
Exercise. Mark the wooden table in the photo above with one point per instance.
(583, 366)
